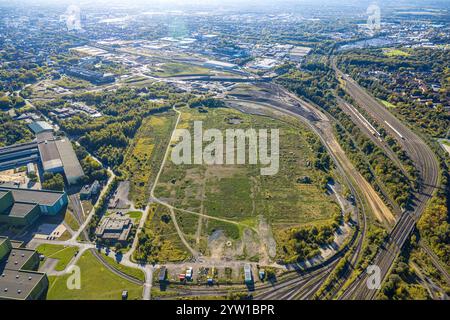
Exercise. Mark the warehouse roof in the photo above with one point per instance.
(16, 283)
(19, 209)
(18, 258)
(40, 126)
(72, 167)
(48, 150)
(18, 148)
(41, 197)
(58, 154)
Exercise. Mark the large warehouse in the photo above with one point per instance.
(55, 154)
(22, 207)
(18, 155)
(18, 280)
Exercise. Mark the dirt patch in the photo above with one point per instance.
(268, 243)
(226, 249)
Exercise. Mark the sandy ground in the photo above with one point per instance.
(50, 230)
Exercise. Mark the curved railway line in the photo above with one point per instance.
(427, 165)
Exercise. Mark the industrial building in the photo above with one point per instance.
(114, 229)
(89, 191)
(22, 207)
(18, 155)
(40, 126)
(18, 278)
(55, 154)
(248, 277)
(219, 65)
(89, 75)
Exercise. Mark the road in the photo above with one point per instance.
(427, 165)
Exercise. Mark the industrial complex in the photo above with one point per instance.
(55, 154)
(18, 280)
(24, 206)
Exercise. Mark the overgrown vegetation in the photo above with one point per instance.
(12, 132)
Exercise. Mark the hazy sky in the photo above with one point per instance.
(248, 4)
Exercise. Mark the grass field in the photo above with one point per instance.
(136, 215)
(97, 283)
(71, 221)
(387, 104)
(135, 273)
(180, 69)
(391, 52)
(160, 225)
(145, 155)
(72, 83)
(239, 193)
(62, 253)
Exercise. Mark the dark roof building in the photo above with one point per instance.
(18, 155)
(18, 280)
(21, 207)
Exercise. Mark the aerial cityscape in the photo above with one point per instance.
(225, 150)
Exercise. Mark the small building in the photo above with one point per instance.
(30, 168)
(189, 273)
(162, 274)
(114, 229)
(248, 277)
(262, 274)
(40, 126)
(89, 191)
(19, 280)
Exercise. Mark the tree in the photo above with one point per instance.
(118, 246)
(53, 182)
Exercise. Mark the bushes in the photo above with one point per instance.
(304, 243)
(434, 227)
(53, 182)
(12, 132)
(101, 207)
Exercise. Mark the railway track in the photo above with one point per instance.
(427, 165)
(310, 115)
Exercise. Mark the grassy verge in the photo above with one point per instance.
(62, 253)
(97, 283)
(133, 272)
